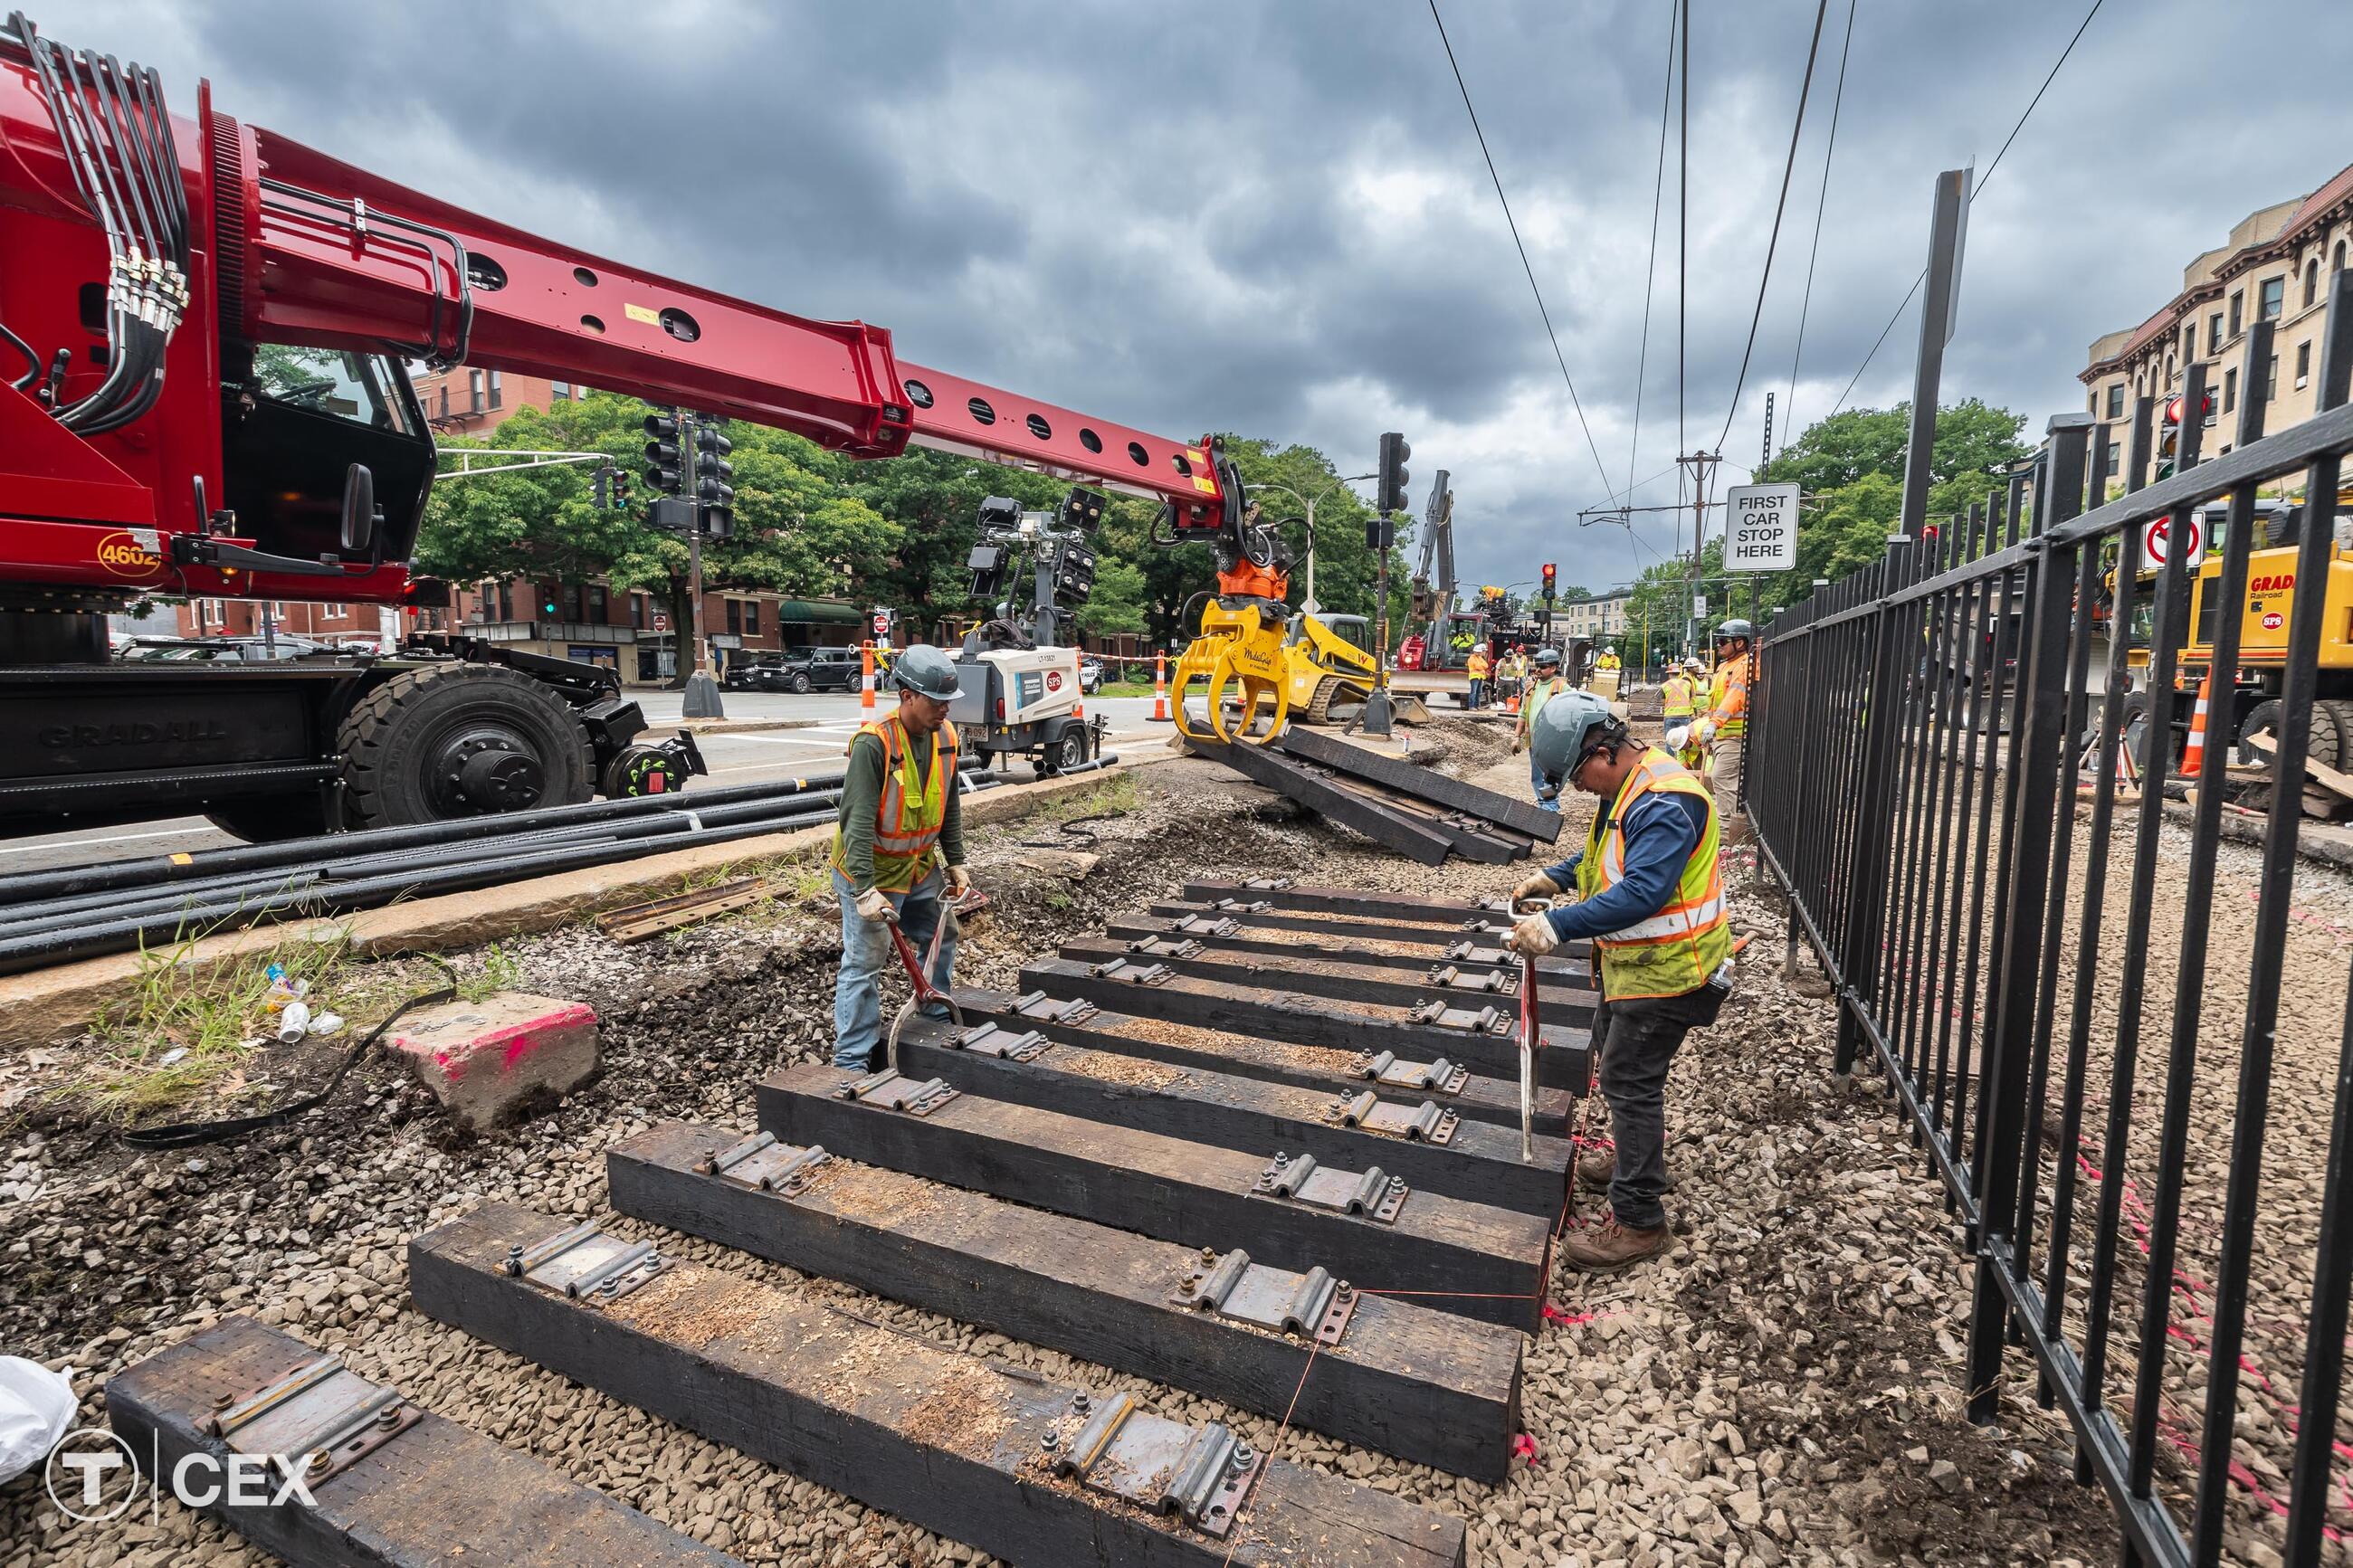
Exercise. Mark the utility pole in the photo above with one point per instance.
(1699, 463)
(1949, 223)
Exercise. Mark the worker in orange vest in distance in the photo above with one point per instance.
(1724, 731)
(1476, 667)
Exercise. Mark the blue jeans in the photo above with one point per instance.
(1478, 691)
(867, 951)
(1548, 793)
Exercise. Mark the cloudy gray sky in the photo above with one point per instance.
(1274, 217)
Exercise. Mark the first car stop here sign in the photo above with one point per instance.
(1760, 528)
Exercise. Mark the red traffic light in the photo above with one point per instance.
(2173, 407)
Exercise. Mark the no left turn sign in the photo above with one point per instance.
(2156, 540)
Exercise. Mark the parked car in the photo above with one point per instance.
(1091, 674)
(750, 675)
(815, 670)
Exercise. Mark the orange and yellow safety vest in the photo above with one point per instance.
(912, 809)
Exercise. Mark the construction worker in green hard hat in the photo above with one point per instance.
(1651, 897)
(1724, 729)
(898, 849)
(1547, 683)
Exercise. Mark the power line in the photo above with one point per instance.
(1805, 303)
(1651, 273)
(1773, 241)
(1977, 187)
(1574, 401)
(1682, 238)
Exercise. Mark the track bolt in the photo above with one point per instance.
(1049, 1442)
(319, 1459)
(514, 1259)
(1208, 1255)
(1346, 1290)
(223, 1401)
(1080, 1402)
(388, 1417)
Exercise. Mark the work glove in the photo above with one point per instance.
(959, 881)
(873, 904)
(1534, 936)
(1701, 731)
(1536, 887)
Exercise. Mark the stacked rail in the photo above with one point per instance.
(55, 917)
(1398, 804)
(1314, 1204)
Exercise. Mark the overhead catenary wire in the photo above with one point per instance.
(1977, 188)
(1773, 240)
(1574, 402)
(1650, 270)
(1821, 204)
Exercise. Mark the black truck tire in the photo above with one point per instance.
(406, 746)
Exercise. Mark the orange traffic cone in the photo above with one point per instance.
(2193, 755)
(1160, 687)
(866, 675)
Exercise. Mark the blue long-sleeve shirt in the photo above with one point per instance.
(1661, 831)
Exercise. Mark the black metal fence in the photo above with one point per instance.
(1987, 854)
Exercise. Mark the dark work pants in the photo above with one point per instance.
(1639, 1040)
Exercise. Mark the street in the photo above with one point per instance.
(734, 759)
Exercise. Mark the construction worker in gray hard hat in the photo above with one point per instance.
(1545, 684)
(898, 849)
(1651, 897)
(1724, 729)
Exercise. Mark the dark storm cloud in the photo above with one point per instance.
(1274, 217)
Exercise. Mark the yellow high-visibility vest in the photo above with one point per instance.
(1677, 949)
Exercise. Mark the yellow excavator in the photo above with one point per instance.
(1251, 645)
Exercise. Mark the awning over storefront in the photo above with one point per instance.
(818, 612)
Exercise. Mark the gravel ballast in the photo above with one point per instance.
(1783, 1386)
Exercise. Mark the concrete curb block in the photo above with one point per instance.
(736, 726)
(56, 1004)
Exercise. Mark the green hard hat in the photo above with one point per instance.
(1567, 727)
(925, 671)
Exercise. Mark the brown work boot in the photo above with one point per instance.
(1609, 1246)
(1596, 1167)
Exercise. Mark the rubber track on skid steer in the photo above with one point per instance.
(1476, 1161)
(1565, 1062)
(1473, 1260)
(946, 1440)
(1424, 783)
(1324, 1068)
(430, 1494)
(1399, 1377)
(1392, 829)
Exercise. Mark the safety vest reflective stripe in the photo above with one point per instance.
(1675, 696)
(1675, 949)
(1729, 695)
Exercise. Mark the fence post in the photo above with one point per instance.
(1866, 928)
(2040, 741)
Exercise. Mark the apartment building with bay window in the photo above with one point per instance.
(2276, 266)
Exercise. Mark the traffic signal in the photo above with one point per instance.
(712, 473)
(547, 601)
(600, 489)
(2169, 435)
(620, 491)
(1551, 583)
(665, 465)
(1393, 475)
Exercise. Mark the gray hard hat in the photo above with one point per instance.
(925, 671)
(1736, 627)
(1548, 656)
(1567, 728)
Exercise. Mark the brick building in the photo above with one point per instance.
(2275, 266)
(464, 401)
(370, 627)
(630, 630)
